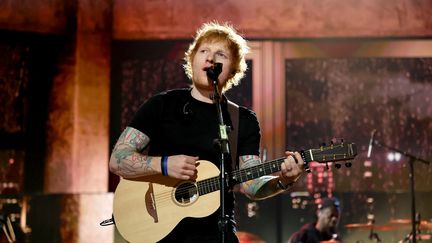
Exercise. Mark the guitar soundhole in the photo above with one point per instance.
(186, 193)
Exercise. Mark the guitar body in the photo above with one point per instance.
(147, 209)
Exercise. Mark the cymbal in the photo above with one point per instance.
(394, 224)
(372, 226)
(424, 224)
(423, 237)
(246, 237)
(420, 237)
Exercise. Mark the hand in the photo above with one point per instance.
(182, 167)
(291, 168)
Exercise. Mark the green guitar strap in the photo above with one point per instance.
(233, 110)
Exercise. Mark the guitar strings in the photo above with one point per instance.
(211, 184)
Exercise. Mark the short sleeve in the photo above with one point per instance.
(146, 119)
(249, 133)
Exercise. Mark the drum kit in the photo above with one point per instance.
(423, 228)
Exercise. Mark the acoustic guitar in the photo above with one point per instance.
(147, 209)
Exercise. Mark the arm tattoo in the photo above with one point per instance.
(259, 188)
(134, 138)
(126, 154)
(246, 161)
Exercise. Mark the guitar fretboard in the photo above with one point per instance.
(212, 184)
(323, 154)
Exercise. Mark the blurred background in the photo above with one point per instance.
(73, 73)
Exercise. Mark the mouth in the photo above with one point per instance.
(206, 68)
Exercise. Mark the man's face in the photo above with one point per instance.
(207, 54)
(329, 218)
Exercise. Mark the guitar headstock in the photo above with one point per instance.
(331, 153)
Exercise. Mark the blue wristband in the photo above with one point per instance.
(164, 167)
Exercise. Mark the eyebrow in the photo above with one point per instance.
(206, 45)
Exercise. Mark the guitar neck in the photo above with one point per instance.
(323, 155)
(254, 172)
(212, 184)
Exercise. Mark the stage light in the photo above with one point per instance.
(393, 156)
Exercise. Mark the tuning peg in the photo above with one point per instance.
(338, 166)
(348, 164)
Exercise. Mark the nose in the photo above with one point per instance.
(210, 58)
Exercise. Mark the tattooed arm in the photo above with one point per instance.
(268, 186)
(127, 161)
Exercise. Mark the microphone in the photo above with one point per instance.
(214, 71)
(371, 143)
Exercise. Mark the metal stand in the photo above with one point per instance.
(223, 144)
(412, 159)
(374, 235)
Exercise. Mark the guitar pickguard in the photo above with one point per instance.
(151, 203)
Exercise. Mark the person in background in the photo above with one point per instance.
(324, 226)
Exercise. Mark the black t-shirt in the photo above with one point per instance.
(176, 123)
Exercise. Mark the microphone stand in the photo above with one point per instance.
(223, 145)
(412, 159)
(372, 233)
